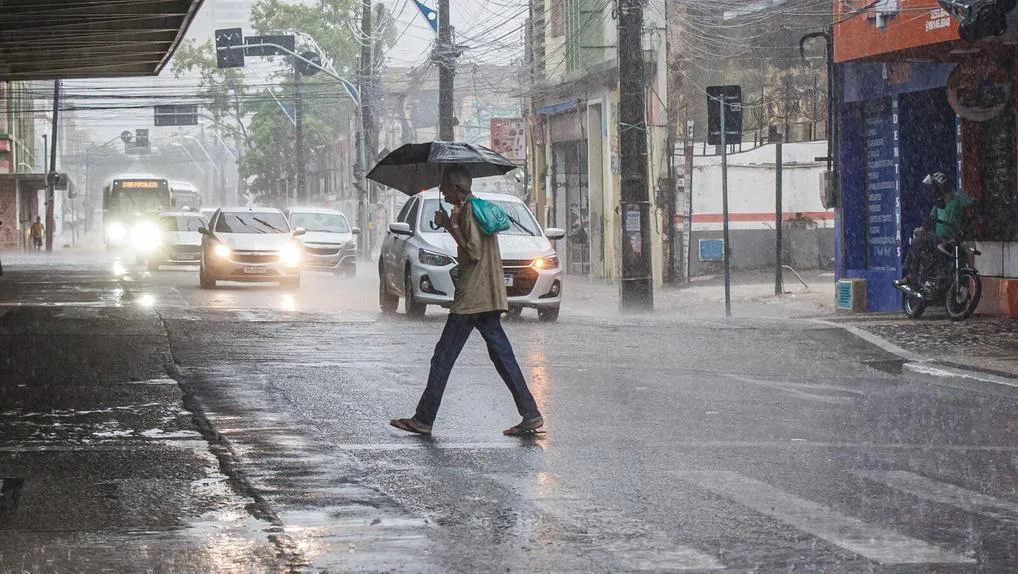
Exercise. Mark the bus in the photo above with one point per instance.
(129, 203)
(184, 195)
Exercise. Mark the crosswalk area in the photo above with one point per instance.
(743, 523)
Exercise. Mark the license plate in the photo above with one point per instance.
(508, 280)
(254, 269)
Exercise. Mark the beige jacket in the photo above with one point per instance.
(481, 286)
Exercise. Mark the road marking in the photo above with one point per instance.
(873, 542)
(422, 443)
(811, 393)
(945, 493)
(643, 548)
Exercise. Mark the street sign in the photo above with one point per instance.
(140, 144)
(226, 39)
(732, 96)
(254, 49)
(176, 115)
(304, 67)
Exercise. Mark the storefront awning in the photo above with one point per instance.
(35, 181)
(43, 40)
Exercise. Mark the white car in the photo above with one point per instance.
(418, 260)
(181, 240)
(250, 244)
(330, 241)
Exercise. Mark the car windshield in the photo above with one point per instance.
(181, 222)
(522, 222)
(328, 222)
(252, 222)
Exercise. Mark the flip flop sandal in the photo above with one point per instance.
(411, 426)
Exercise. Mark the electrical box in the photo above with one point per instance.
(851, 295)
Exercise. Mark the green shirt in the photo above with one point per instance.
(953, 212)
(481, 286)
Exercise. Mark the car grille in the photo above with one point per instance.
(185, 250)
(324, 250)
(517, 262)
(524, 279)
(255, 256)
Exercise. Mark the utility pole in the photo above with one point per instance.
(637, 285)
(446, 73)
(778, 216)
(724, 211)
(301, 192)
(365, 149)
(51, 174)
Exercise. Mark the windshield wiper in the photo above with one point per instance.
(520, 225)
(269, 225)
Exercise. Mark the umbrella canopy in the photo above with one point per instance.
(412, 168)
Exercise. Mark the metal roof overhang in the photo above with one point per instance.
(62, 39)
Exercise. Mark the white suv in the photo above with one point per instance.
(418, 260)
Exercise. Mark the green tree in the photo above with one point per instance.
(252, 115)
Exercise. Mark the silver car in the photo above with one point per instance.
(250, 244)
(330, 242)
(181, 241)
(418, 260)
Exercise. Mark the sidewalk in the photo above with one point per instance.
(752, 296)
(980, 353)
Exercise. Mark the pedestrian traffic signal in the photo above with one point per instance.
(229, 48)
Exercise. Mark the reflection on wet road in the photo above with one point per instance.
(671, 446)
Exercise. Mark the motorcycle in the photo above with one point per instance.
(949, 282)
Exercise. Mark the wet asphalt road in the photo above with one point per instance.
(755, 445)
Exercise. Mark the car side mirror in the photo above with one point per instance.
(400, 228)
(203, 230)
(356, 230)
(555, 233)
(299, 231)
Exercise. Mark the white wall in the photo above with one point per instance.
(751, 181)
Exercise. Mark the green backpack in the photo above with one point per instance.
(490, 217)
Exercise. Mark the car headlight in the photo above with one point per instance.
(550, 262)
(434, 259)
(221, 250)
(116, 232)
(352, 244)
(289, 254)
(145, 237)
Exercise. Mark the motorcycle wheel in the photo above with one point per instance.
(963, 295)
(913, 306)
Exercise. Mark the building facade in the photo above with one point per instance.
(573, 125)
(915, 99)
(18, 155)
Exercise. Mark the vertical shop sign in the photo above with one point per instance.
(882, 237)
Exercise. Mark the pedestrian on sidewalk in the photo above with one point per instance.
(37, 231)
(478, 303)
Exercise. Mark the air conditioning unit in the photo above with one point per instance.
(851, 295)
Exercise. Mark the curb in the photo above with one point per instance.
(925, 370)
(961, 379)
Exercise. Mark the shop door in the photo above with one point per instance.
(571, 197)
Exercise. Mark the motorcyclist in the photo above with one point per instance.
(945, 221)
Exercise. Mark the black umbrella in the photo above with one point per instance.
(412, 168)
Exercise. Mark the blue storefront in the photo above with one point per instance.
(896, 127)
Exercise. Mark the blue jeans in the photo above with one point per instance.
(454, 336)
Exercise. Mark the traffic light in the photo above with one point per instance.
(979, 19)
(229, 48)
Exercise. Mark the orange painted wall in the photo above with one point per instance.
(1000, 297)
(917, 23)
